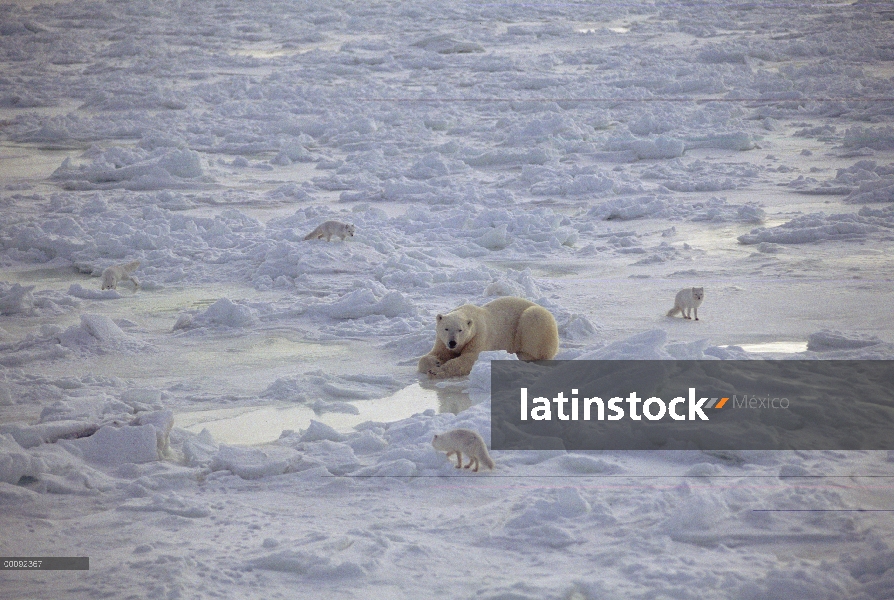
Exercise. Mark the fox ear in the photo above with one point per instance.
(440, 317)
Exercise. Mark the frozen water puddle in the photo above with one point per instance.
(775, 347)
(615, 26)
(250, 425)
(613, 29)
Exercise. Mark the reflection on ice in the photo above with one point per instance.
(775, 347)
(247, 426)
(597, 29)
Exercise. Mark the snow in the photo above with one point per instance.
(819, 227)
(16, 299)
(117, 445)
(223, 313)
(250, 423)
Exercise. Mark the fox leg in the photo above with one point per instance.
(459, 459)
(695, 311)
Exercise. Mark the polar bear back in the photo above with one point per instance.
(503, 316)
(520, 327)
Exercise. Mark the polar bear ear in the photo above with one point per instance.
(440, 317)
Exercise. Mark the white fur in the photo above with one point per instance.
(509, 323)
(112, 275)
(457, 441)
(688, 299)
(328, 229)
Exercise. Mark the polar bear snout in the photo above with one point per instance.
(451, 344)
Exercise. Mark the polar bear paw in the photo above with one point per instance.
(428, 362)
(438, 372)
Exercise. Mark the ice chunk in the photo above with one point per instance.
(78, 291)
(659, 147)
(15, 463)
(363, 303)
(171, 504)
(823, 341)
(200, 450)
(117, 445)
(224, 313)
(29, 436)
(444, 44)
(133, 169)
(252, 463)
(16, 299)
(648, 345)
(817, 227)
(162, 421)
(318, 431)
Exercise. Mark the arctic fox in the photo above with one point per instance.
(688, 299)
(112, 275)
(330, 228)
(457, 441)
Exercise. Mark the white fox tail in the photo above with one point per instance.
(131, 266)
(675, 310)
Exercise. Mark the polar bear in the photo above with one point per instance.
(509, 323)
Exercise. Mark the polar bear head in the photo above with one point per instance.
(455, 330)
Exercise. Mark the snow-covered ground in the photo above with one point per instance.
(249, 423)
